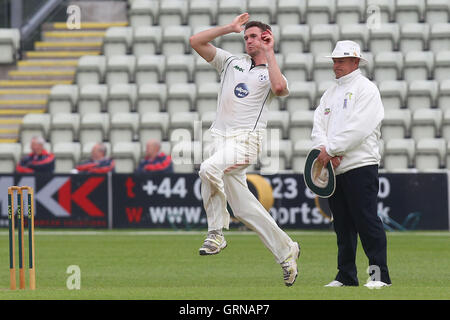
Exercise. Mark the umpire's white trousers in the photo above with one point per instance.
(223, 179)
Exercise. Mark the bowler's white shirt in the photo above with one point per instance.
(348, 120)
(244, 95)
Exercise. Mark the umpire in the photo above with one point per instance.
(347, 131)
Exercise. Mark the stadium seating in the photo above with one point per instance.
(409, 11)
(152, 97)
(204, 73)
(393, 94)
(147, 39)
(63, 98)
(384, 38)
(350, 12)
(232, 42)
(123, 127)
(301, 124)
(117, 41)
(207, 119)
(64, 127)
(444, 95)
(380, 11)
(92, 98)
(94, 127)
(418, 65)
(183, 125)
(294, 38)
(146, 81)
(175, 40)
(126, 156)
(437, 11)
(399, 154)
(143, 13)
(262, 10)
(229, 9)
(396, 124)
(388, 66)
(430, 154)
(120, 69)
(180, 68)
(181, 97)
(202, 12)
(291, 12)
(91, 69)
(322, 68)
(302, 96)
(10, 154)
(422, 94)
(206, 100)
(414, 37)
(368, 69)
(276, 156)
(9, 45)
(122, 97)
(323, 38)
(442, 66)
(446, 125)
(298, 66)
(67, 156)
(357, 32)
(426, 123)
(300, 151)
(321, 12)
(34, 125)
(439, 40)
(150, 69)
(186, 155)
(153, 125)
(173, 12)
(279, 120)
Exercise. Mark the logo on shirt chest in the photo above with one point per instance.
(327, 111)
(241, 90)
(238, 68)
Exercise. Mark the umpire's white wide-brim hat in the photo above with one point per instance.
(319, 179)
(348, 49)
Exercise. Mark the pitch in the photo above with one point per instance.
(130, 265)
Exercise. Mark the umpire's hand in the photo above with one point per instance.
(324, 157)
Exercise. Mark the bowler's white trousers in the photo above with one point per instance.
(223, 177)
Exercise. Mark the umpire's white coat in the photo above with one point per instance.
(348, 120)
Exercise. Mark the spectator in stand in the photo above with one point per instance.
(39, 160)
(98, 163)
(155, 160)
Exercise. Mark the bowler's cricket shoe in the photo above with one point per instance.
(289, 265)
(213, 244)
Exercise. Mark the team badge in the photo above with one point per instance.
(263, 77)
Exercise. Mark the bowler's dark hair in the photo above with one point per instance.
(262, 26)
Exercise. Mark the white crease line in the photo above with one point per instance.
(230, 233)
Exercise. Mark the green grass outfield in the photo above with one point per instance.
(130, 265)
